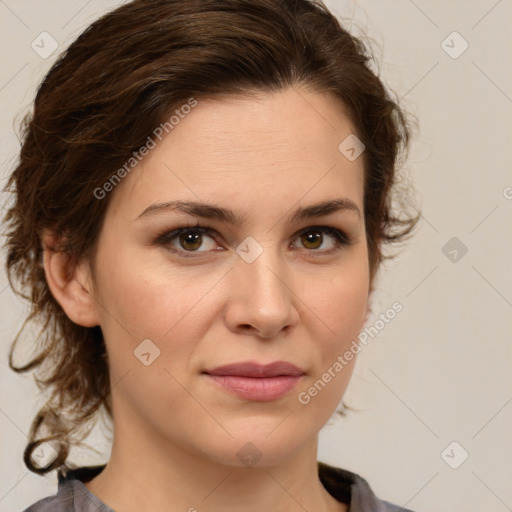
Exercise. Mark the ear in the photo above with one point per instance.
(366, 315)
(368, 311)
(71, 287)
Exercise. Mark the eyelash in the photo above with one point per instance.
(342, 240)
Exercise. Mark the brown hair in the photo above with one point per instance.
(100, 101)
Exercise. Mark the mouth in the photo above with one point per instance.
(256, 382)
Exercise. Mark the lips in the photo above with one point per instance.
(276, 369)
(256, 382)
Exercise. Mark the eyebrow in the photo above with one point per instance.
(211, 211)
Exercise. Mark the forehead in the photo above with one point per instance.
(260, 151)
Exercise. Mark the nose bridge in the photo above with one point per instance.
(262, 267)
(263, 289)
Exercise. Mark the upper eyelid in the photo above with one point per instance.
(171, 234)
(208, 229)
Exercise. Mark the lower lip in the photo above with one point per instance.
(260, 389)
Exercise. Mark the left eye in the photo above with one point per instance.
(190, 239)
(315, 235)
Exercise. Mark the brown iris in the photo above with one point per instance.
(310, 238)
(191, 238)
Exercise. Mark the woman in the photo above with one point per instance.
(188, 170)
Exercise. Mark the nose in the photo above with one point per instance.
(261, 297)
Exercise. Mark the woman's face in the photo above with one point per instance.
(252, 289)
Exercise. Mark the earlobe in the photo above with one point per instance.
(70, 284)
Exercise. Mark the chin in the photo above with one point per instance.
(258, 446)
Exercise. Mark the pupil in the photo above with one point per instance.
(310, 238)
(191, 239)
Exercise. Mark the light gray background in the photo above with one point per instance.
(441, 371)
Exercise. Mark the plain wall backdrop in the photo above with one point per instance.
(434, 386)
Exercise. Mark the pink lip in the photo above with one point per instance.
(256, 382)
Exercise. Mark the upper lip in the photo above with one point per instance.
(251, 369)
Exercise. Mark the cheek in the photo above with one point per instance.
(143, 300)
(149, 295)
(341, 305)
(340, 315)
(343, 309)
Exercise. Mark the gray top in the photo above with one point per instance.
(73, 496)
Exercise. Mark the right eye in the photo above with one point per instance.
(189, 238)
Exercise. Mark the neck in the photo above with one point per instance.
(144, 473)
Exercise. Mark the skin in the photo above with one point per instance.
(176, 433)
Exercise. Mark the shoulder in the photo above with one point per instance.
(72, 495)
(60, 502)
(349, 487)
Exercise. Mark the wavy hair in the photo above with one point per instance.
(98, 104)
